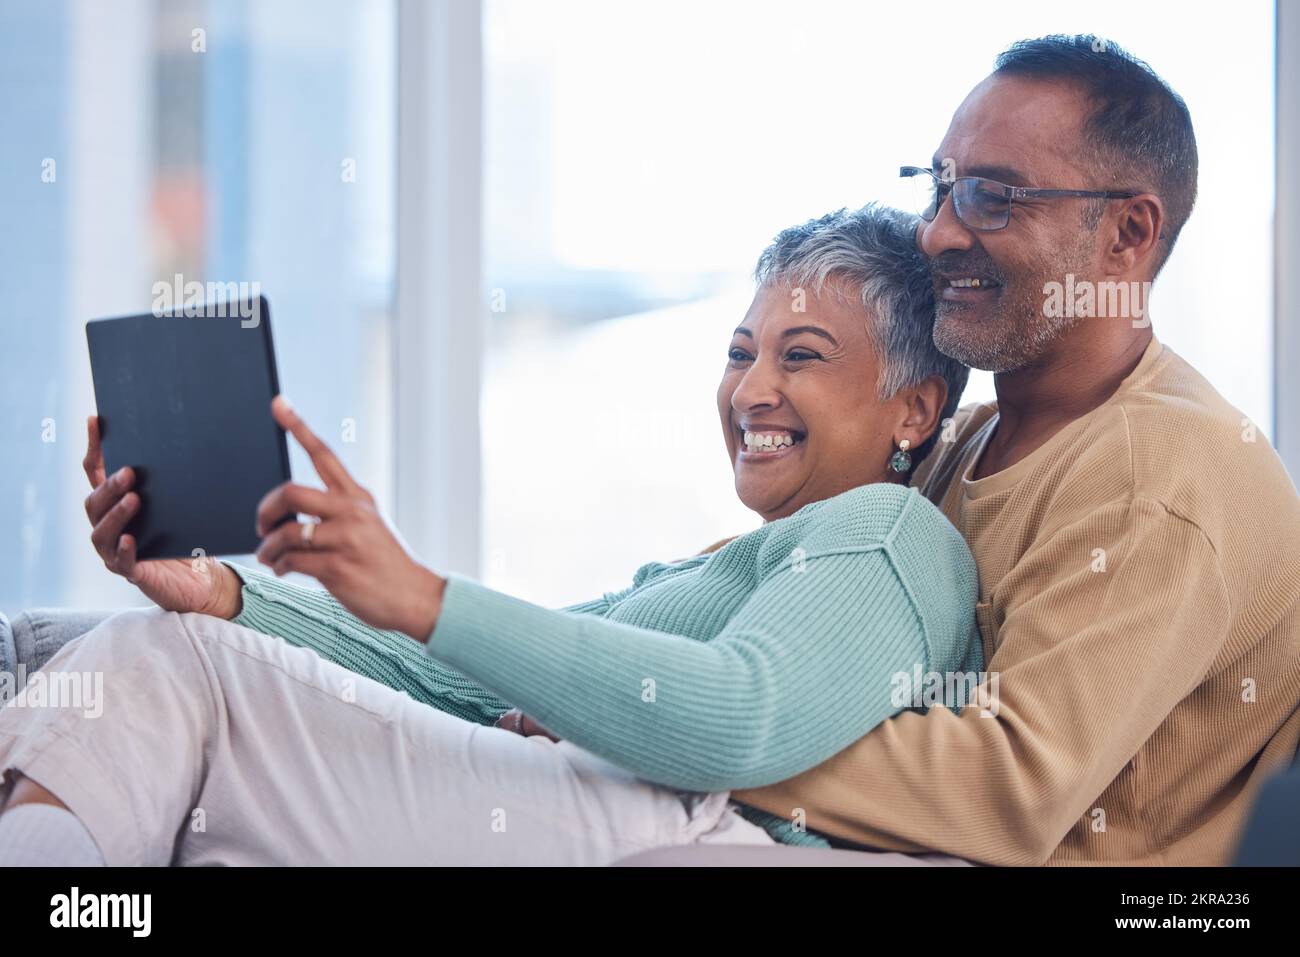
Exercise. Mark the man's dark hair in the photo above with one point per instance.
(1139, 128)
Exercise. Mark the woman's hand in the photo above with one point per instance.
(199, 584)
(518, 722)
(349, 549)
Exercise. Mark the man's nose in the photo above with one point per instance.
(945, 232)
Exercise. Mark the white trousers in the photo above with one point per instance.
(213, 744)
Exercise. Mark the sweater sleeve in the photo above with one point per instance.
(1089, 663)
(801, 670)
(314, 619)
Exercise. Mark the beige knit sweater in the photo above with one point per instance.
(1140, 602)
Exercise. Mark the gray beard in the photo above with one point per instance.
(1018, 334)
(1016, 337)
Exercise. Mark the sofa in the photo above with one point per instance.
(1271, 837)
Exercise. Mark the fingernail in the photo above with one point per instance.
(284, 399)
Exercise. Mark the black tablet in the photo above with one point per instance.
(184, 398)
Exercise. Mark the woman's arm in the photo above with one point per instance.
(801, 671)
(311, 618)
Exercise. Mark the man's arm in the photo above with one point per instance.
(1089, 664)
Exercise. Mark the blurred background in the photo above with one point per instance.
(599, 178)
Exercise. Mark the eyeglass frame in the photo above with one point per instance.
(1010, 194)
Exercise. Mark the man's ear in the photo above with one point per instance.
(1139, 233)
(925, 402)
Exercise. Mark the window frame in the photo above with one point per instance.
(438, 345)
(1286, 242)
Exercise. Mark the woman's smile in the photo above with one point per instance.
(795, 374)
(760, 444)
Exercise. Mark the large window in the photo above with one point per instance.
(225, 141)
(636, 158)
(640, 155)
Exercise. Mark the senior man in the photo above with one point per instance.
(1137, 539)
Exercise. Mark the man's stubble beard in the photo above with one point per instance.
(1018, 334)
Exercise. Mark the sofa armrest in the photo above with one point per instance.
(32, 637)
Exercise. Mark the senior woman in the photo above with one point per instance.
(248, 720)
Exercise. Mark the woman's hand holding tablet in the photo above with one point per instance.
(345, 544)
(174, 584)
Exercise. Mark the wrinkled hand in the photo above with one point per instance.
(197, 584)
(514, 720)
(348, 548)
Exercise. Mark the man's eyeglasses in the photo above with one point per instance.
(979, 203)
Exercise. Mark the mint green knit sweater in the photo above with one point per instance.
(734, 669)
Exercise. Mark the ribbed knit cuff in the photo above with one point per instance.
(481, 631)
(262, 593)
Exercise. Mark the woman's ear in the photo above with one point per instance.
(924, 406)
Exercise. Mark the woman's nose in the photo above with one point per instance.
(758, 389)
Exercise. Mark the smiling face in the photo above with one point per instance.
(799, 406)
(1020, 132)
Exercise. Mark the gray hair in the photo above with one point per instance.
(872, 255)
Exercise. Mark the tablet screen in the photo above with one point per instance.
(185, 400)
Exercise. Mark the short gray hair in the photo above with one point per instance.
(872, 256)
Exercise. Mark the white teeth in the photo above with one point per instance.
(768, 441)
(967, 283)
